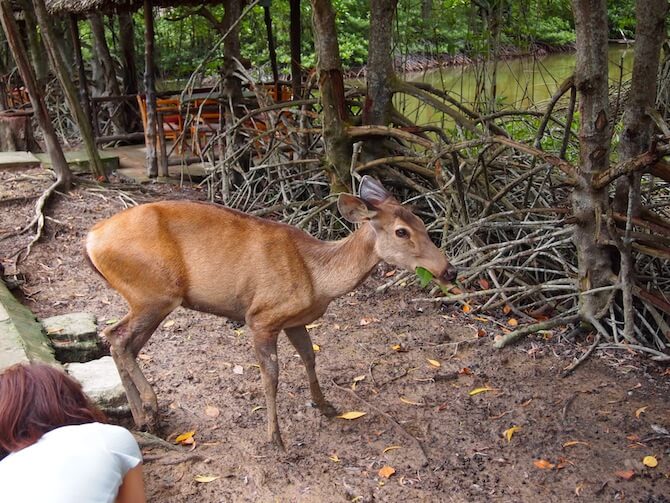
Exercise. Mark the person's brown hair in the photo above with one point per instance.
(37, 398)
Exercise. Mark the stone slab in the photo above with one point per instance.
(101, 381)
(10, 160)
(79, 161)
(22, 338)
(71, 327)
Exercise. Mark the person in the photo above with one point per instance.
(56, 446)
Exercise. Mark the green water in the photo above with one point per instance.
(521, 83)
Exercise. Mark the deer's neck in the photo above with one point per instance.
(340, 266)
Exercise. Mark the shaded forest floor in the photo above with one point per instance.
(583, 437)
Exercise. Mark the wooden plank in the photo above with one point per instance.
(14, 160)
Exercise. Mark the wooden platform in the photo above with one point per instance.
(132, 166)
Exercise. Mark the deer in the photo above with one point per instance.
(270, 275)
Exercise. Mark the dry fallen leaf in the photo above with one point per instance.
(507, 308)
(481, 333)
(484, 284)
(509, 432)
(392, 448)
(334, 458)
(640, 411)
(434, 363)
(512, 322)
(570, 443)
(367, 321)
(625, 474)
(386, 471)
(212, 411)
(465, 371)
(312, 325)
(168, 324)
(352, 415)
(650, 461)
(409, 402)
(257, 408)
(543, 464)
(477, 391)
(466, 308)
(316, 347)
(239, 332)
(185, 437)
(204, 479)
(238, 369)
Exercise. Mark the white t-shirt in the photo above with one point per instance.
(71, 464)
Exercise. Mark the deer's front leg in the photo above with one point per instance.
(302, 342)
(265, 345)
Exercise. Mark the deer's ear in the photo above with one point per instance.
(373, 192)
(354, 209)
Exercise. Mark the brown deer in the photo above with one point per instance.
(270, 275)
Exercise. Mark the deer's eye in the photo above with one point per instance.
(402, 233)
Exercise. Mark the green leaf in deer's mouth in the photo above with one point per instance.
(425, 276)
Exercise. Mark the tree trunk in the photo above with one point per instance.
(150, 90)
(59, 68)
(35, 43)
(295, 36)
(232, 86)
(58, 162)
(129, 77)
(637, 125)
(127, 43)
(16, 132)
(378, 105)
(590, 205)
(271, 49)
(84, 97)
(108, 72)
(331, 86)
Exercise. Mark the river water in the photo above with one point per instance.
(522, 83)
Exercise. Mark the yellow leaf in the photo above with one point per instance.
(391, 448)
(434, 363)
(334, 458)
(404, 400)
(467, 308)
(477, 391)
(512, 322)
(168, 324)
(574, 442)
(316, 347)
(352, 415)
(184, 437)
(212, 411)
(640, 411)
(204, 479)
(239, 332)
(312, 325)
(509, 432)
(507, 308)
(386, 471)
(650, 461)
(543, 464)
(258, 407)
(360, 378)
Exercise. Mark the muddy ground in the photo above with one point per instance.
(579, 438)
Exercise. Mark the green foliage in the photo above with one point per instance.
(183, 37)
(425, 276)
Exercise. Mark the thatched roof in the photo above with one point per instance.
(82, 7)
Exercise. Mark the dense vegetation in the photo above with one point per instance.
(426, 27)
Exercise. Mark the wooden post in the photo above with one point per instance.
(62, 73)
(81, 71)
(150, 89)
(296, 63)
(271, 48)
(54, 150)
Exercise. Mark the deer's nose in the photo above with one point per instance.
(450, 273)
